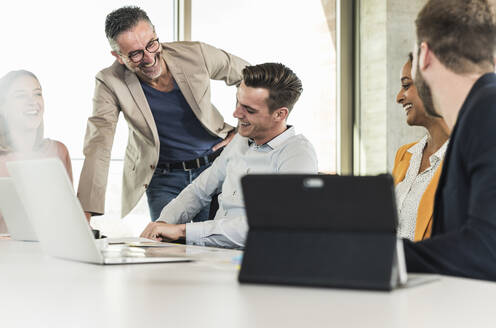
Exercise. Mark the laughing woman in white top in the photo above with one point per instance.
(417, 166)
(21, 124)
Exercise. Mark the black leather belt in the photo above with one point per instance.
(191, 164)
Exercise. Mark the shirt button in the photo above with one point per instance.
(152, 167)
(145, 185)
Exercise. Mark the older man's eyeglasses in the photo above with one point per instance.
(137, 56)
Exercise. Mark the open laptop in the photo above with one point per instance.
(59, 221)
(13, 212)
(323, 230)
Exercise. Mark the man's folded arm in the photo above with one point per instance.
(471, 250)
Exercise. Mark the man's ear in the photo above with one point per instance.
(281, 114)
(117, 56)
(425, 56)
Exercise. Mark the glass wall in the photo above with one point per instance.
(300, 35)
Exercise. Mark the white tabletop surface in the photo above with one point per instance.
(40, 291)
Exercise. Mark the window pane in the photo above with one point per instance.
(298, 34)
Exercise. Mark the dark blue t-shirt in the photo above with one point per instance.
(182, 136)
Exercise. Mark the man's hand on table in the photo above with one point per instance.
(163, 231)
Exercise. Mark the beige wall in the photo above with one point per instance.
(387, 35)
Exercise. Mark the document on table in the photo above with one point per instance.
(149, 244)
(136, 242)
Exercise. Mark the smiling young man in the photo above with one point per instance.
(264, 144)
(454, 72)
(163, 91)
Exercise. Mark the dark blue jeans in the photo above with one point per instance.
(166, 185)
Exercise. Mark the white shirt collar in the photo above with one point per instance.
(278, 140)
(274, 143)
(418, 148)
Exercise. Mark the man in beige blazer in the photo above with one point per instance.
(163, 91)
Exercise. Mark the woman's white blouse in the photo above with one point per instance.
(410, 190)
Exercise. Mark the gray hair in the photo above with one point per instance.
(122, 20)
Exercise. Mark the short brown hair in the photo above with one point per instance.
(461, 33)
(282, 83)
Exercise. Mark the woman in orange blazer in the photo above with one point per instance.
(417, 165)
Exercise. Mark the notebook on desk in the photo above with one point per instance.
(13, 212)
(59, 221)
(322, 230)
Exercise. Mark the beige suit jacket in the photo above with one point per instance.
(118, 90)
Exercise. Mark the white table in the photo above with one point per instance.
(40, 291)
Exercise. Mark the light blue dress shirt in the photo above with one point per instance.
(286, 153)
